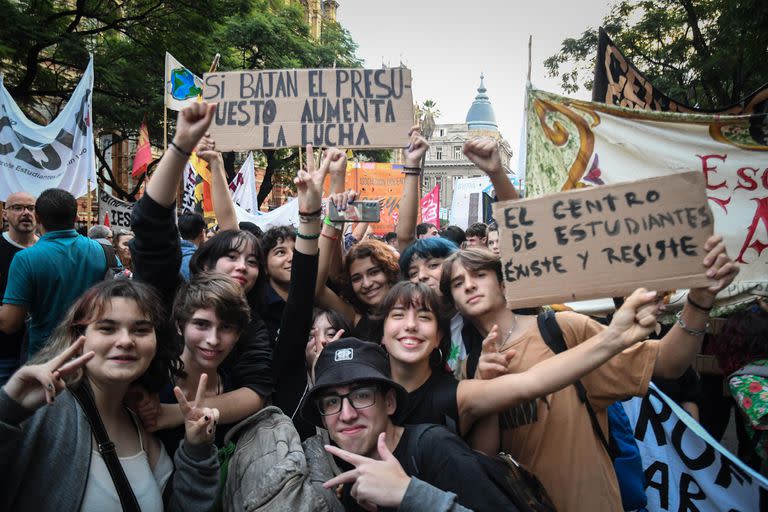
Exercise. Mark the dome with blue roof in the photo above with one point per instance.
(480, 115)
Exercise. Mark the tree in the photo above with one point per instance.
(708, 53)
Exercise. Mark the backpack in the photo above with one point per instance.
(517, 483)
(621, 444)
(267, 468)
(114, 268)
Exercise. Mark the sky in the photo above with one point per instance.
(447, 44)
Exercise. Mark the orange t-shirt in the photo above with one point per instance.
(553, 435)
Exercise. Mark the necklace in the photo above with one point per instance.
(510, 331)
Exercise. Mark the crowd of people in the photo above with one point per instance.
(399, 354)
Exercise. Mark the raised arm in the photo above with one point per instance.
(409, 204)
(681, 344)
(223, 206)
(634, 322)
(484, 153)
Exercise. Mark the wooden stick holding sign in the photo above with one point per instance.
(605, 241)
(351, 108)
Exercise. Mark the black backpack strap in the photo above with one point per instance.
(106, 448)
(109, 255)
(416, 432)
(553, 337)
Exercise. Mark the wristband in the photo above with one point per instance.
(689, 330)
(329, 237)
(335, 225)
(412, 170)
(177, 148)
(315, 213)
(301, 235)
(697, 306)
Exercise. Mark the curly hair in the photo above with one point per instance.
(91, 306)
(381, 254)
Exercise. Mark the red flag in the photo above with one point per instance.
(143, 151)
(430, 207)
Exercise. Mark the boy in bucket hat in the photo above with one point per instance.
(354, 398)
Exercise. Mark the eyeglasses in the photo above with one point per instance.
(360, 398)
(16, 208)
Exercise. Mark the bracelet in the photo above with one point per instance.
(177, 148)
(697, 306)
(331, 238)
(412, 171)
(301, 235)
(688, 330)
(335, 225)
(315, 213)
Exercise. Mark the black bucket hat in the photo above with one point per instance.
(344, 362)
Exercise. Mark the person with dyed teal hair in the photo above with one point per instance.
(422, 260)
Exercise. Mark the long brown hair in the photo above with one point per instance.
(381, 254)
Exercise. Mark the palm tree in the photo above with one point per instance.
(428, 112)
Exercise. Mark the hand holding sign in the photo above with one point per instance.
(720, 267)
(375, 482)
(417, 148)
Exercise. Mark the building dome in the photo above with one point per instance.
(480, 115)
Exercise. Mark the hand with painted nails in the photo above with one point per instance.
(33, 385)
(492, 362)
(375, 483)
(720, 267)
(199, 421)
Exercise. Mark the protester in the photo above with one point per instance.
(426, 230)
(107, 340)
(536, 435)
(47, 278)
(476, 235)
(354, 398)
(121, 239)
(391, 239)
(455, 234)
(492, 240)
(101, 233)
(19, 213)
(278, 246)
(157, 258)
(192, 232)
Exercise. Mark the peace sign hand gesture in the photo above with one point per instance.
(493, 363)
(199, 421)
(376, 482)
(33, 385)
(309, 182)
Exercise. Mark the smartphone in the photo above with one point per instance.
(357, 211)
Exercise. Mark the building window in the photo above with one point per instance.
(438, 153)
(457, 152)
(442, 132)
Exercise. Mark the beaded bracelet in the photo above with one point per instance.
(177, 148)
(689, 330)
(301, 235)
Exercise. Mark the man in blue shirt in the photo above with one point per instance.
(45, 279)
(192, 231)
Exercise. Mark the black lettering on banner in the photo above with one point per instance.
(649, 416)
(695, 463)
(662, 486)
(686, 496)
(727, 470)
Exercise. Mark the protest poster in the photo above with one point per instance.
(350, 108)
(189, 182)
(685, 468)
(243, 186)
(430, 206)
(573, 144)
(60, 154)
(114, 212)
(182, 87)
(285, 215)
(605, 241)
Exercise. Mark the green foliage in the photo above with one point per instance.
(708, 53)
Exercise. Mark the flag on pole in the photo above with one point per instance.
(143, 155)
(243, 186)
(430, 207)
(182, 87)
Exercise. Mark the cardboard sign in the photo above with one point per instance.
(114, 212)
(350, 108)
(605, 241)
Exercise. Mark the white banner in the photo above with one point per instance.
(573, 143)
(467, 201)
(34, 158)
(685, 468)
(113, 211)
(182, 87)
(243, 186)
(286, 215)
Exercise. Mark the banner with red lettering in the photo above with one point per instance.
(430, 207)
(573, 143)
